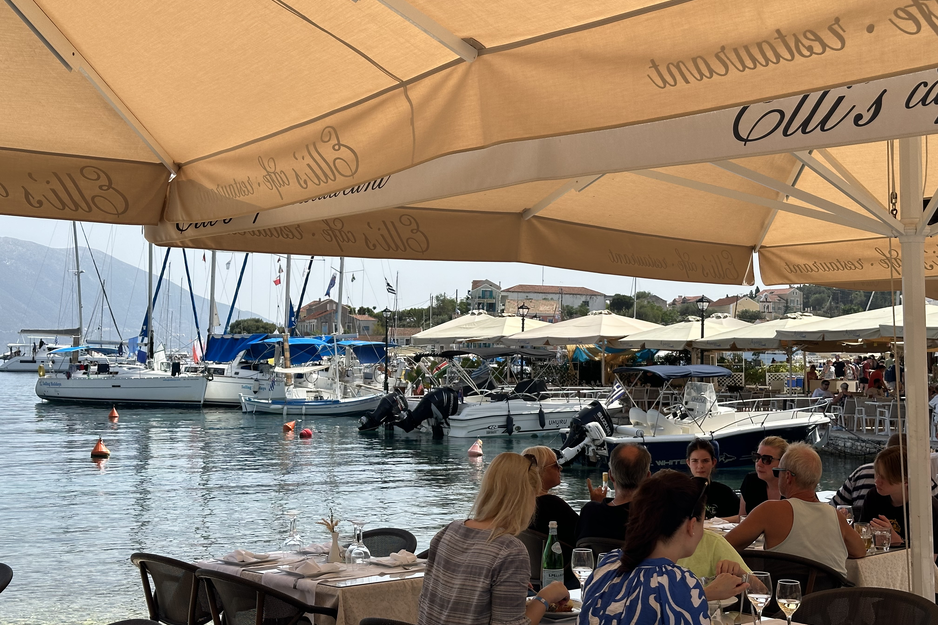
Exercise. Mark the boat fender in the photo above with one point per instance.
(209, 376)
(100, 451)
(475, 450)
(509, 425)
(256, 386)
(306, 433)
(42, 371)
(541, 419)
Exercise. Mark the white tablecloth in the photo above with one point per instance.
(882, 570)
(356, 593)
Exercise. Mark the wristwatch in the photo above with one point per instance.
(542, 600)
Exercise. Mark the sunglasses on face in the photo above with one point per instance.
(777, 470)
(764, 458)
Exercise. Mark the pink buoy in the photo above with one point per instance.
(306, 433)
(475, 451)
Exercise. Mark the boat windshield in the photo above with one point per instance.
(699, 398)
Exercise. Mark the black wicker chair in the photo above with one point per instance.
(6, 576)
(599, 544)
(244, 601)
(866, 606)
(176, 597)
(814, 576)
(373, 620)
(384, 541)
(534, 543)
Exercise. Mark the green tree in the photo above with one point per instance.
(252, 325)
(621, 304)
(464, 306)
(749, 315)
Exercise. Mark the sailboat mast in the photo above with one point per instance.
(211, 301)
(286, 322)
(150, 301)
(339, 328)
(81, 325)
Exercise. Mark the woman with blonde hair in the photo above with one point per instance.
(762, 484)
(477, 571)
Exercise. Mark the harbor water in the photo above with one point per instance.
(197, 484)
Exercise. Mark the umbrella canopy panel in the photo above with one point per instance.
(595, 327)
(679, 335)
(442, 332)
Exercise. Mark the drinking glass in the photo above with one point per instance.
(357, 552)
(847, 511)
(882, 539)
(582, 564)
(759, 591)
(293, 541)
(866, 534)
(788, 596)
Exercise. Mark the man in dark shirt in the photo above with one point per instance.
(840, 367)
(629, 465)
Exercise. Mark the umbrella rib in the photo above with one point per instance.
(432, 28)
(804, 211)
(850, 188)
(835, 210)
(577, 184)
(60, 46)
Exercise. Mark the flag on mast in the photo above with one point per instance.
(390, 288)
(277, 281)
(331, 284)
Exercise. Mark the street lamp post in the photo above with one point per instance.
(702, 304)
(522, 312)
(387, 322)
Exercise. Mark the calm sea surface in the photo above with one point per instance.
(195, 484)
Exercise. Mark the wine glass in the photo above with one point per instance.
(847, 512)
(759, 591)
(788, 596)
(357, 552)
(581, 562)
(866, 534)
(293, 541)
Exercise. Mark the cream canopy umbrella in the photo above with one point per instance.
(679, 336)
(599, 326)
(494, 329)
(862, 326)
(596, 327)
(266, 104)
(759, 336)
(441, 332)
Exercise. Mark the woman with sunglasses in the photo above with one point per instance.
(640, 583)
(761, 485)
(550, 507)
(477, 571)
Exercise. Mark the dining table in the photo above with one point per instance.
(357, 591)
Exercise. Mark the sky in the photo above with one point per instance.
(418, 281)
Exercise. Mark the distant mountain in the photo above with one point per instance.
(39, 292)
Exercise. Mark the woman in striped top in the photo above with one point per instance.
(477, 571)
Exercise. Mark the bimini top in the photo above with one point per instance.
(673, 372)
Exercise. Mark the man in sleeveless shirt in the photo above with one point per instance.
(800, 525)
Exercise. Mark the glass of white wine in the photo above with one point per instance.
(847, 511)
(760, 591)
(581, 562)
(788, 596)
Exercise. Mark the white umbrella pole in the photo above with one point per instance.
(916, 374)
(603, 365)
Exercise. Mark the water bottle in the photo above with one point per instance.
(552, 560)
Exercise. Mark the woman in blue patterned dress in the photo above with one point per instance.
(640, 584)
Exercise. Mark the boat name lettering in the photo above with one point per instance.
(670, 463)
(91, 190)
(558, 421)
(749, 57)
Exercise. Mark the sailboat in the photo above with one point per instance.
(301, 395)
(106, 383)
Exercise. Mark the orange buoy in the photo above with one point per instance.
(306, 433)
(100, 451)
(113, 416)
(475, 451)
(289, 426)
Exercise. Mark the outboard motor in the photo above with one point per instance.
(437, 406)
(389, 410)
(588, 431)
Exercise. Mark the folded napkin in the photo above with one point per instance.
(402, 557)
(243, 555)
(308, 568)
(318, 548)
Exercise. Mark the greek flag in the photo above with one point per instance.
(617, 392)
(273, 383)
(390, 288)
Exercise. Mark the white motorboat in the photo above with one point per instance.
(29, 355)
(735, 428)
(305, 399)
(123, 384)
